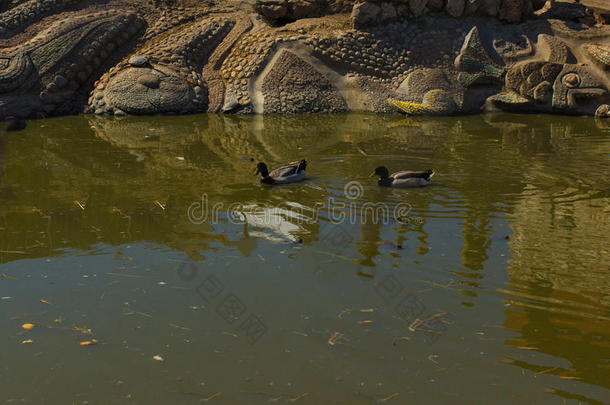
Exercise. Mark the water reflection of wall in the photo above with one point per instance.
(560, 289)
(560, 219)
(149, 168)
(79, 181)
(211, 145)
(563, 245)
(69, 189)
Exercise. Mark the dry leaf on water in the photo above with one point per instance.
(28, 326)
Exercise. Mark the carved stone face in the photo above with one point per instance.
(546, 86)
(578, 90)
(552, 86)
(148, 91)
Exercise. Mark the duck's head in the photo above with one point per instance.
(381, 171)
(261, 169)
(303, 164)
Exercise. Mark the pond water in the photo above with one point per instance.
(152, 238)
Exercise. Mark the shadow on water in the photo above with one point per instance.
(516, 219)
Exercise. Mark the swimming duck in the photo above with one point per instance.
(402, 179)
(290, 173)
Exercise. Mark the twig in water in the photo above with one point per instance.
(212, 397)
(413, 326)
(297, 398)
(344, 311)
(129, 275)
(179, 327)
(137, 313)
(384, 400)
(546, 371)
(335, 338)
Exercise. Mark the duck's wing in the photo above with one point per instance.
(409, 175)
(286, 170)
(293, 178)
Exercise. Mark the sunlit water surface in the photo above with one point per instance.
(152, 236)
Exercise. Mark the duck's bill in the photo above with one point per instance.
(256, 172)
(372, 174)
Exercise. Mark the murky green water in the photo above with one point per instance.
(494, 285)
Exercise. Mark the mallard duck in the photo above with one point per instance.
(402, 179)
(290, 173)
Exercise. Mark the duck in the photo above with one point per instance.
(289, 173)
(403, 179)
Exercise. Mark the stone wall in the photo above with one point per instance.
(118, 57)
(374, 12)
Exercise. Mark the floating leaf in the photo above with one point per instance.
(158, 358)
(27, 341)
(45, 301)
(28, 326)
(91, 342)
